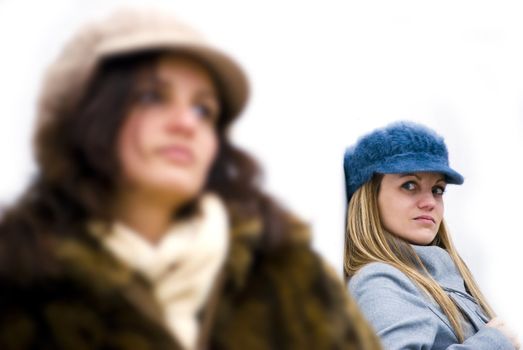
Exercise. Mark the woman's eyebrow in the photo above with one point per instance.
(166, 83)
(442, 180)
(149, 80)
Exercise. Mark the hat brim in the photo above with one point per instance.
(415, 166)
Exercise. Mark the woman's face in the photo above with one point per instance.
(411, 205)
(168, 140)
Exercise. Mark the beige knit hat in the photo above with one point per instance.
(131, 31)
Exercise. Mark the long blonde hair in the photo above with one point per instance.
(367, 241)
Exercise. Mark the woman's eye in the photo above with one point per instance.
(206, 112)
(410, 186)
(438, 190)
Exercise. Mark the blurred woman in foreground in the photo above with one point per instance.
(145, 228)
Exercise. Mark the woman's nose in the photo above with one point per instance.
(181, 119)
(426, 200)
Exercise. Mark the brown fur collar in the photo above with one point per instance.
(273, 296)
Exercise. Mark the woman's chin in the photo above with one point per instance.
(422, 238)
(179, 188)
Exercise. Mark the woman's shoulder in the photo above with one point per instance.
(23, 253)
(399, 312)
(377, 269)
(381, 279)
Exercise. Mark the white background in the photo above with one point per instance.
(323, 73)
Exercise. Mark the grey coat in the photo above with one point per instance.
(405, 318)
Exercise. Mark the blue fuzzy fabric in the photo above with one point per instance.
(400, 147)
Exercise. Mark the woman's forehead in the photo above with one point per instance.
(164, 71)
(421, 175)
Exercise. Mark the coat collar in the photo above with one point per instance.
(249, 242)
(440, 266)
(86, 260)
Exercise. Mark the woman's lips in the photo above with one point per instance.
(425, 219)
(177, 154)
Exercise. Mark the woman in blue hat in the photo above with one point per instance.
(400, 262)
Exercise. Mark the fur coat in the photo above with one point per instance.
(282, 297)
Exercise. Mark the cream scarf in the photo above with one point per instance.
(182, 267)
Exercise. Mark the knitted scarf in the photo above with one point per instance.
(182, 267)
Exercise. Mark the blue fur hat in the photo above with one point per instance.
(400, 147)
